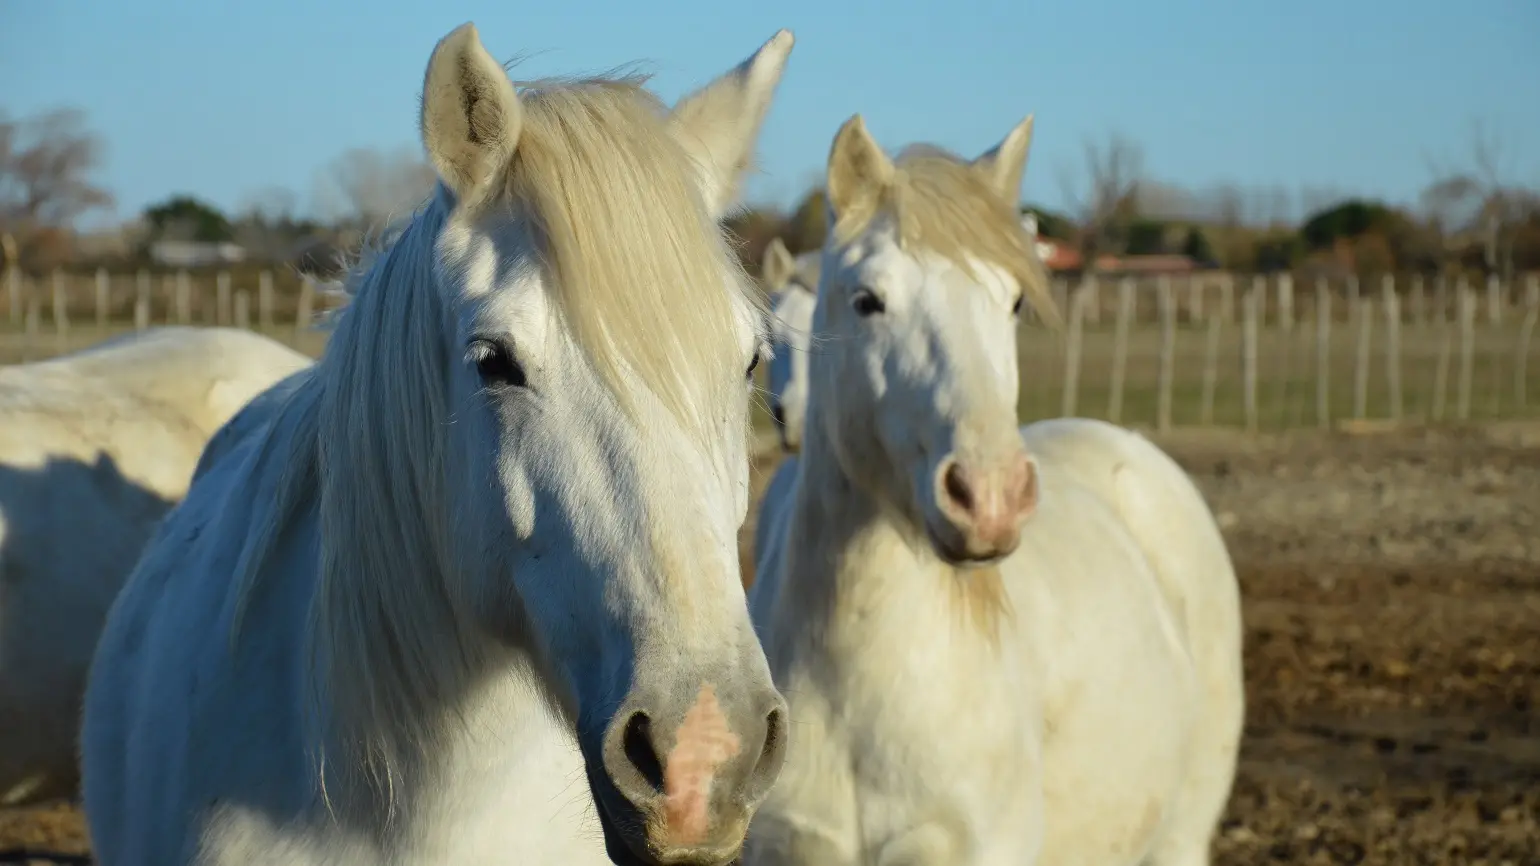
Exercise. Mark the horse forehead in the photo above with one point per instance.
(953, 284)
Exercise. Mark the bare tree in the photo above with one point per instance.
(1167, 201)
(46, 167)
(367, 188)
(1481, 198)
(1115, 170)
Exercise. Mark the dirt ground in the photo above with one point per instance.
(1392, 601)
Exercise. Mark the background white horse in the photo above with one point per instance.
(792, 283)
(969, 685)
(95, 447)
(485, 550)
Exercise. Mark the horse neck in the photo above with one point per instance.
(842, 539)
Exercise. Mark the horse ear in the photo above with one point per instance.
(470, 114)
(1005, 164)
(778, 265)
(858, 167)
(718, 125)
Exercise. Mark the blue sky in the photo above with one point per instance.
(222, 100)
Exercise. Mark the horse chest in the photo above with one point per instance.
(510, 788)
(941, 727)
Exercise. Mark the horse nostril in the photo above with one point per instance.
(637, 742)
(774, 734)
(955, 481)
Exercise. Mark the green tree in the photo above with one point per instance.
(1146, 237)
(1345, 221)
(185, 218)
(1196, 246)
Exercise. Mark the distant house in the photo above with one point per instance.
(195, 254)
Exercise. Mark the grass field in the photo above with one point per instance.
(1286, 373)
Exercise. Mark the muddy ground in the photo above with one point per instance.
(1392, 598)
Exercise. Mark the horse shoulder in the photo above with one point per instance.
(165, 664)
(1164, 512)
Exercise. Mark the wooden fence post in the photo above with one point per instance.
(1363, 315)
(243, 309)
(61, 314)
(1120, 350)
(142, 301)
(33, 329)
(1467, 301)
(183, 298)
(1322, 354)
(1494, 300)
(1167, 303)
(1093, 300)
(103, 297)
(222, 298)
(265, 300)
(1284, 350)
(1392, 345)
(12, 276)
(1249, 356)
(1526, 333)
(1071, 393)
(1210, 370)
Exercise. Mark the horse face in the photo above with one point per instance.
(922, 385)
(790, 337)
(599, 443)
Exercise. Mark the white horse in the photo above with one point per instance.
(791, 283)
(969, 685)
(470, 593)
(95, 447)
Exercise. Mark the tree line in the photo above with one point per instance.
(1472, 217)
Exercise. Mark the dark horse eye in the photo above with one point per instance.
(753, 365)
(1016, 308)
(496, 365)
(867, 303)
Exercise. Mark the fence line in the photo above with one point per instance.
(1172, 351)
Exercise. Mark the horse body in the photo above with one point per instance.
(467, 590)
(985, 663)
(95, 447)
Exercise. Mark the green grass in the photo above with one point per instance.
(1286, 380)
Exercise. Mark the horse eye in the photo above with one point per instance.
(867, 303)
(495, 364)
(1016, 308)
(753, 365)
